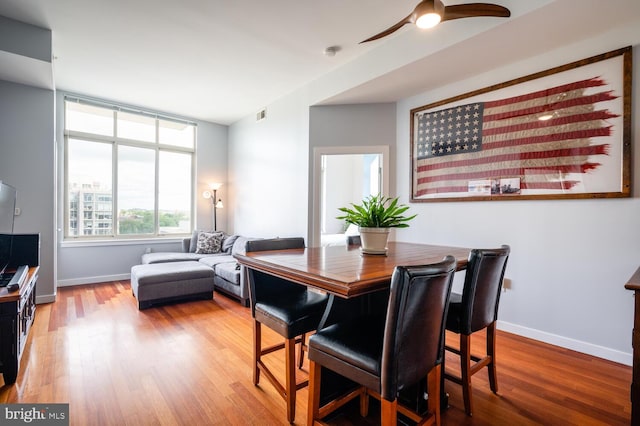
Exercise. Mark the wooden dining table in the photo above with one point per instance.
(355, 282)
(344, 271)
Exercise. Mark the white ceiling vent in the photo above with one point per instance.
(261, 115)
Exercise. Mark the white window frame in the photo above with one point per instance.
(115, 141)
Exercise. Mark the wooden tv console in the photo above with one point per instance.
(17, 312)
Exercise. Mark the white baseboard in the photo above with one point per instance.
(93, 280)
(568, 343)
(46, 298)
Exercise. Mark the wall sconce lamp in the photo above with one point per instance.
(216, 204)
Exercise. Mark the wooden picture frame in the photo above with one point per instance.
(495, 144)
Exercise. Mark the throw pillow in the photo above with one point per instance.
(194, 240)
(193, 245)
(227, 243)
(209, 243)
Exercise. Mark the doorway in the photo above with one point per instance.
(344, 175)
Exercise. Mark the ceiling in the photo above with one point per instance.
(220, 61)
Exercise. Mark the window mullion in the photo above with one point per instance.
(114, 177)
(67, 198)
(157, 182)
(114, 190)
(194, 185)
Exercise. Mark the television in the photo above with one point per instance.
(7, 209)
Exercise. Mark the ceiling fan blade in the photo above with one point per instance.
(390, 30)
(474, 9)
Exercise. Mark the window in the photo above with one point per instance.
(128, 173)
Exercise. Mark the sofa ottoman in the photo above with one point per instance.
(167, 282)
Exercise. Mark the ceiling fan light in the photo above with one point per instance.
(428, 20)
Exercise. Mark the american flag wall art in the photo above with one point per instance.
(558, 134)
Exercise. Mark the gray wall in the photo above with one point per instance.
(27, 159)
(25, 40)
(570, 258)
(211, 168)
(352, 125)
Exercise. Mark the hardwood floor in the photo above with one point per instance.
(189, 364)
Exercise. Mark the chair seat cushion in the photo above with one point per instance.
(292, 314)
(352, 349)
(455, 313)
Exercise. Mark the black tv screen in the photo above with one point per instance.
(7, 209)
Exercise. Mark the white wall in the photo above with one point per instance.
(570, 258)
(268, 170)
(27, 163)
(87, 262)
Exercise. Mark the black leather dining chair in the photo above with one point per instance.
(287, 308)
(389, 351)
(475, 309)
(353, 240)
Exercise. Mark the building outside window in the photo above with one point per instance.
(137, 164)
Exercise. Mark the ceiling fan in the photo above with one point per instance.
(429, 13)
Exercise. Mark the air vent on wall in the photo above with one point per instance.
(261, 115)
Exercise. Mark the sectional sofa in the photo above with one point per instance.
(228, 276)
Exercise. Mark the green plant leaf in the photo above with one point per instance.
(377, 211)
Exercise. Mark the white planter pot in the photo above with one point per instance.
(374, 240)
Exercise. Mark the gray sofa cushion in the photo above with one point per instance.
(213, 260)
(193, 244)
(186, 244)
(164, 257)
(228, 271)
(228, 242)
(239, 245)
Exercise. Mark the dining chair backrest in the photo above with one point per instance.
(482, 288)
(264, 286)
(354, 240)
(415, 323)
(275, 244)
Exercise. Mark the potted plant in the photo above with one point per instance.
(374, 218)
